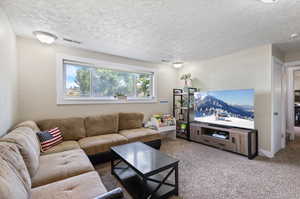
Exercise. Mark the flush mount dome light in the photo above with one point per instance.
(294, 36)
(177, 64)
(45, 37)
(269, 1)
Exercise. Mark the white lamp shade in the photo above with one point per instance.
(269, 1)
(177, 64)
(44, 37)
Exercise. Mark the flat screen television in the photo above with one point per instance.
(232, 108)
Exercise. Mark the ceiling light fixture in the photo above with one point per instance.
(269, 1)
(177, 64)
(45, 37)
(294, 36)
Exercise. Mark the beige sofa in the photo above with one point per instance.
(96, 134)
(25, 174)
(65, 171)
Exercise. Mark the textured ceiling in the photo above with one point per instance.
(152, 30)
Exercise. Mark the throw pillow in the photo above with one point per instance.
(50, 138)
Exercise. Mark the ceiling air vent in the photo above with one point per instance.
(71, 41)
(165, 61)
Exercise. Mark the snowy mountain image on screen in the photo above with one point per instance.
(210, 109)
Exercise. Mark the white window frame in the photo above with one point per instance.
(60, 81)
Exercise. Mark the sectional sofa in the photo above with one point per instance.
(65, 171)
(96, 134)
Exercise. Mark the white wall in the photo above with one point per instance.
(246, 69)
(37, 65)
(8, 75)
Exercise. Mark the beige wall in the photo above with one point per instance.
(8, 75)
(37, 65)
(242, 70)
(297, 80)
(245, 69)
(276, 52)
(292, 56)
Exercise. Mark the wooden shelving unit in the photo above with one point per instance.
(183, 108)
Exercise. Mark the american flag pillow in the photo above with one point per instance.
(49, 138)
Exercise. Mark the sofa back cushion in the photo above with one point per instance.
(29, 146)
(71, 128)
(11, 183)
(130, 120)
(101, 124)
(10, 153)
(30, 124)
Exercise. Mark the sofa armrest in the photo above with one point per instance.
(113, 194)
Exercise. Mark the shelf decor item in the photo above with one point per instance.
(163, 123)
(183, 111)
(121, 96)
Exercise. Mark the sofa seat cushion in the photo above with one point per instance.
(71, 128)
(59, 166)
(26, 140)
(64, 146)
(101, 143)
(141, 134)
(101, 124)
(84, 186)
(130, 120)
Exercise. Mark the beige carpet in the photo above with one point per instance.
(209, 173)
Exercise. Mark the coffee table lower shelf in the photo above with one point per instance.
(139, 187)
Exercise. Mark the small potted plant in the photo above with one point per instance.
(187, 81)
(120, 96)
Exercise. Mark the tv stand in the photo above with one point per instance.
(241, 141)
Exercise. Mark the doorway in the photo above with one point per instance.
(293, 94)
(297, 100)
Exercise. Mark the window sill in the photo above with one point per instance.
(97, 101)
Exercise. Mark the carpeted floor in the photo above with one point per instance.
(209, 173)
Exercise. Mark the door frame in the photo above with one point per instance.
(283, 107)
(291, 67)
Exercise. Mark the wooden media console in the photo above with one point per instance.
(241, 141)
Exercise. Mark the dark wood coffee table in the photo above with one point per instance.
(144, 171)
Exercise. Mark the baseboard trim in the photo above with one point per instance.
(265, 153)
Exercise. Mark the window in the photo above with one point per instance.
(99, 82)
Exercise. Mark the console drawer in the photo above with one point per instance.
(219, 143)
(230, 147)
(211, 141)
